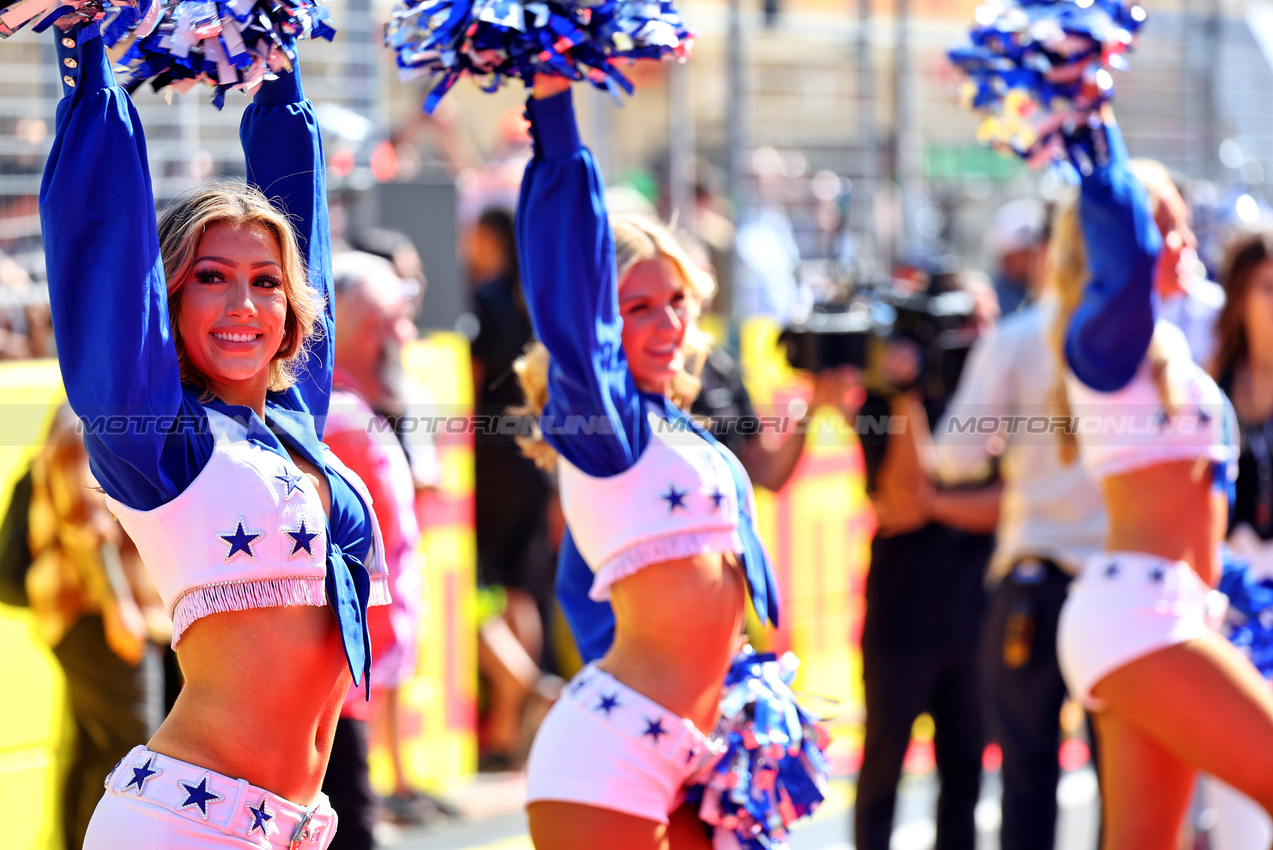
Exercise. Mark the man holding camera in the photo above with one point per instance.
(923, 604)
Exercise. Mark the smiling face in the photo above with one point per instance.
(233, 311)
(654, 304)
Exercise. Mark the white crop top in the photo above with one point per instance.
(1129, 428)
(249, 532)
(678, 500)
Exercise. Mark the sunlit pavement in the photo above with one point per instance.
(494, 820)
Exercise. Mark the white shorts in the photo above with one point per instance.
(1125, 606)
(154, 802)
(605, 745)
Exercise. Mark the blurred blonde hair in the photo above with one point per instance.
(636, 240)
(181, 227)
(1068, 276)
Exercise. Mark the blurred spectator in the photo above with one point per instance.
(1017, 238)
(95, 605)
(26, 328)
(767, 250)
(401, 402)
(1186, 298)
(372, 305)
(514, 548)
(1244, 370)
(396, 247)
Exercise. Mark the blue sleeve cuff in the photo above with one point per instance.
(81, 59)
(284, 89)
(552, 124)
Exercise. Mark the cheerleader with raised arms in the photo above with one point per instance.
(197, 350)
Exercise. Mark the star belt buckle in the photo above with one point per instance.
(302, 831)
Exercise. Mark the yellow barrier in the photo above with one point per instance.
(818, 531)
(34, 721)
(439, 705)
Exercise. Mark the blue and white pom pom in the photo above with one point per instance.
(1248, 624)
(1039, 73)
(179, 43)
(494, 40)
(774, 768)
(226, 45)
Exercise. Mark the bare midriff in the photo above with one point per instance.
(1170, 510)
(677, 627)
(263, 690)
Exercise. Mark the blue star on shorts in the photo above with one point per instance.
(198, 795)
(260, 818)
(654, 728)
(717, 498)
(609, 702)
(142, 775)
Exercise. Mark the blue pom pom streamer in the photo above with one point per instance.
(494, 40)
(774, 769)
(1249, 622)
(1039, 73)
(179, 43)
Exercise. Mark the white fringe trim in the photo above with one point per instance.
(657, 550)
(244, 595)
(379, 591)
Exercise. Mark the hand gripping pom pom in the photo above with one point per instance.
(178, 43)
(773, 768)
(1039, 73)
(497, 39)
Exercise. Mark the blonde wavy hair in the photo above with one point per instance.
(181, 227)
(636, 240)
(1068, 276)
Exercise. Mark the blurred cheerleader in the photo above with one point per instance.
(198, 352)
(662, 515)
(1137, 639)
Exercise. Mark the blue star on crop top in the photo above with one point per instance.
(146, 434)
(568, 272)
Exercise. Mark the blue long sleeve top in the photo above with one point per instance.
(146, 434)
(1114, 323)
(569, 275)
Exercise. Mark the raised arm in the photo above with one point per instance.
(571, 285)
(107, 286)
(284, 152)
(1111, 329)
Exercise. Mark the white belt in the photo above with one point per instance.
(636, 716)
(232, 806)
